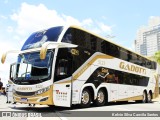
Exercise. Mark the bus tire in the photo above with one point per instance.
(51, 106)
(144, 100)
(85, 98)
(101, 98)
(149, 97)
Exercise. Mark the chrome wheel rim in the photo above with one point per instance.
(85, 97)
(100, 97)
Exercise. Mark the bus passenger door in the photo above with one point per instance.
(9, 86)
(63, 82)
(62, 94)
(12, 71)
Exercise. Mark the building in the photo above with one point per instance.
(148, 38)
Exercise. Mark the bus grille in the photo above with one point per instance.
(25, 93)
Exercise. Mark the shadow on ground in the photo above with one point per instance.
(74, 107)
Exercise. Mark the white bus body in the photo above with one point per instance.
(80, 72)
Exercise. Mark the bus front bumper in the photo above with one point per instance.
(45, 98)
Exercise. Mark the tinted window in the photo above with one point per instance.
(40, 37)
(82, 39)
(67, 62)
(123, 54)
(79, 60)
(88, 41)
(63, 68)
(108, 75)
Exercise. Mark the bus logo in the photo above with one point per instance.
(74, 52)
(24, 88)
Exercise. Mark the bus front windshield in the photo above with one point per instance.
(31, 68)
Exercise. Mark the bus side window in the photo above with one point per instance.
(62, 69)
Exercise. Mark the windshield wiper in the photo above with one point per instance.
(36, 79)
(30, 81)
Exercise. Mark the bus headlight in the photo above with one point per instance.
(42, 90)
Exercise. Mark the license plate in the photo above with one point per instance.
(24, 99)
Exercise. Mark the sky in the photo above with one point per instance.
(117, 20)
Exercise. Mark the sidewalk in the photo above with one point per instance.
(3, 105)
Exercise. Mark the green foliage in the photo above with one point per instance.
(157, 57)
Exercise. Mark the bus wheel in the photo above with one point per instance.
(101, 98)
(85, 98)
(144, 100)
(149, 97)
(51, 106)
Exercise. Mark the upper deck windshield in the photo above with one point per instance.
(38, 38)
(31, 69)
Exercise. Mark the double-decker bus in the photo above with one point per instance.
(68, 65)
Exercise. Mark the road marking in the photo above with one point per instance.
(60, 116)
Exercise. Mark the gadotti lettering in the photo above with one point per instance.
(24, 88)
(132, 68)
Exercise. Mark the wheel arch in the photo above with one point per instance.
(150, 91)
(106, 90)
(92, 89)
(145, 91)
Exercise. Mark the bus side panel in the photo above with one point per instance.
(76, 89)
(79, 81)
(114, 89)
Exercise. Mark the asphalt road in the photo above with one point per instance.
(94, 113)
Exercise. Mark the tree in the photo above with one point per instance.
(157, 57)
